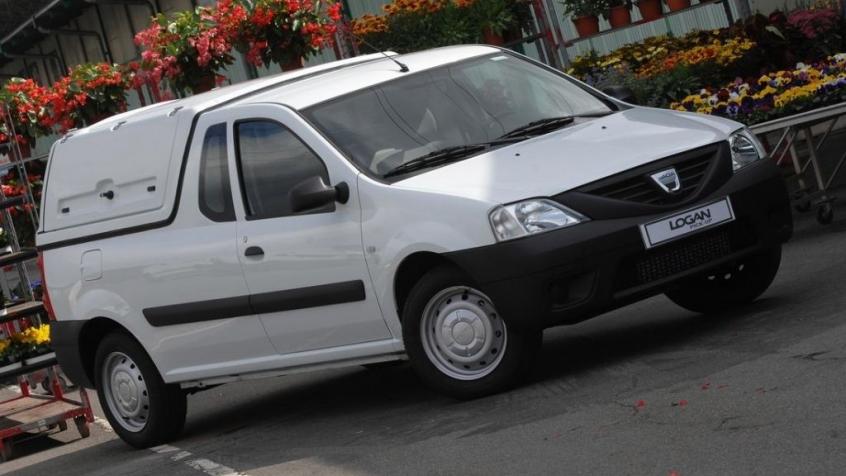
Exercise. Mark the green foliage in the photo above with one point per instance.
(582, 8)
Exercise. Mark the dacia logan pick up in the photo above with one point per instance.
(443, 206)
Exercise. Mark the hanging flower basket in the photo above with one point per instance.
(191, 46)
(89, 94)
(286, 32)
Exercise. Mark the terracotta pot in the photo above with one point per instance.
(512, 34)
(203, 84)
(97, 118)
(292, 65)
(650, 9)
(26, 150)
(587, 25)
(676, 5)
(619, 16)
(492, 38)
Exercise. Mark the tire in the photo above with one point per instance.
(7, 451)
(82, 427)
(480, 355)
(153, 411)
(738, 284)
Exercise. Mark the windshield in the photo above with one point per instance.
(466, 103)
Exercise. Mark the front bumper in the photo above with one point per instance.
(569, 275)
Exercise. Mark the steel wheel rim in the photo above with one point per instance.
(126, 392)
(462, 334)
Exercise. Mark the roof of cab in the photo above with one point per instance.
(305, 87)
(319, 88)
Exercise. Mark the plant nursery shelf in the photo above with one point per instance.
(26, 369)
(18, 256)
(18, 311)
(701, 4)
(12, 202)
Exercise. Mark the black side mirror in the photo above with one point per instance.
(623, 93)
(313, 193)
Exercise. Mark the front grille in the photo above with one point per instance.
(642, 189)
(670, 261)
(674, 258)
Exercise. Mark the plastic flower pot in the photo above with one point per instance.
(26, 150)
(204, 84)
(650, 9)
(292, 64)
(676, 5)
(40, 358)
(619, 16)
(586, 25)
(492, 38)
(10, 367)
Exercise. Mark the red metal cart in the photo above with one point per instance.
(35, 415)
(29, 414)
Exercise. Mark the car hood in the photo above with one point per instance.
(573, 156)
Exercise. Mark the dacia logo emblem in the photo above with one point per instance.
(668, 180)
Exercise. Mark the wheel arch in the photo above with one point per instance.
(90, 336)
(411, 269)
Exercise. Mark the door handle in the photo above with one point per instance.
(254, 251)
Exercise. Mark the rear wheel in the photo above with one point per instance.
(457, 341)
(740, 283)
(142, 409)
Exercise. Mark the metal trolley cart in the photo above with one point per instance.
(792, 129)
(29, 413)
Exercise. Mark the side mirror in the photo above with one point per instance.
(313, 193)
(623, 93)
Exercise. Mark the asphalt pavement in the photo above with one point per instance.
(650, 389)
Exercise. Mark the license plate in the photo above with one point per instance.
(696, 219)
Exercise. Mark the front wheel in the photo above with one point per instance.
(735, 285)
(457, 341)
(142, 409)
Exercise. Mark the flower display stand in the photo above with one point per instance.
(29, 414)
(793, 128)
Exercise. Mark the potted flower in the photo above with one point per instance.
(90, 93)
(585, 14)
(26, 103)
(287, 32)
(650, 9)
(675, 5)
(10, 356)
(619, 13)
(187, 49)
(36, 344)
(494, 18)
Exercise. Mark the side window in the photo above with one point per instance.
(272, 160)
(215, 191)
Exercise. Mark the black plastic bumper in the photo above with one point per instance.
(64, 338)
(575, 273)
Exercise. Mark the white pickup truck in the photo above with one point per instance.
(443, 206)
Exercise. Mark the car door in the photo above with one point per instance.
(198, 301)
(305, 270)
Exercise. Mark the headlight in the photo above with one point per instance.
(745, 149)
(531, 216)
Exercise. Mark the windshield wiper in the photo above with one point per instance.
(549, 124)
(448, 154)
